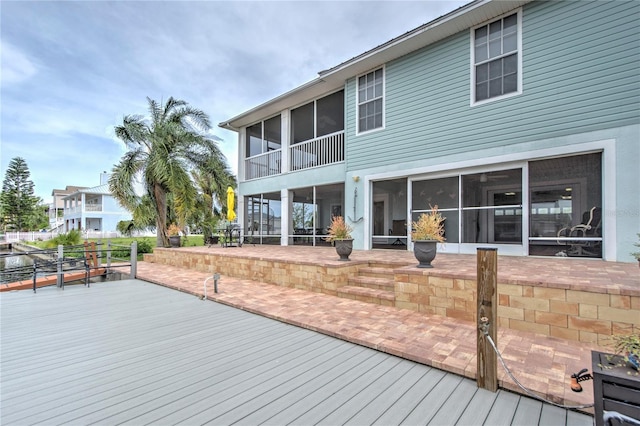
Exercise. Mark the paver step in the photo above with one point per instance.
(369, 295)
(377, 272)
(389, 265)
(385, 284)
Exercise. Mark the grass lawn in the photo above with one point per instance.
(189, 241)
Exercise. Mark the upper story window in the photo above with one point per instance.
(264, 136)
(370, 100)
(497, 59)
(318, 118)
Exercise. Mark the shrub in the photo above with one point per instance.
(144, 247)
(71, 238)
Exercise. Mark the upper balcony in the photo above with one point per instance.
(305, 155)
(305, 137)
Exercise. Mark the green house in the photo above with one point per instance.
(520, 120)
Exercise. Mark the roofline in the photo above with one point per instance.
(469, 15)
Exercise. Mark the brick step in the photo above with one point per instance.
(369, 295)
(385, 284)
(388, 265)
(376, 272)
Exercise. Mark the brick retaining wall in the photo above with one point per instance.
(580, 314)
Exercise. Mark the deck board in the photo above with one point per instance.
(136, 353)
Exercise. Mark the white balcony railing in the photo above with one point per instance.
(93, 208)
(263, 165)
(86, 208)
(317, 152)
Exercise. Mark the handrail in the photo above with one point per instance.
(66, 259)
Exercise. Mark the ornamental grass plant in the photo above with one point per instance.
(429, 226)
(338, 230)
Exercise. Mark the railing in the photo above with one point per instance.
(317, 152)
(263, 165)
(43, 236)
(86, 208)
(65, 260)
(93, 207)
(10, 237)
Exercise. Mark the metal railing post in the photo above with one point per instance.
(59, 276)
(35, 273)
(108, 253)
(86, 273)
(134, 259)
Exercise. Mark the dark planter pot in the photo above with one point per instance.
(344, 248)
(616, 388)
(174, 241)
(425, 252)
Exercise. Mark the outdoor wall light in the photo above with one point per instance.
(356, 178)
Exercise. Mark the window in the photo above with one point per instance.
(330, 114)
(263, 217)
(370, 100)
(566, 206)
(490, 210)
(264, 136)
(497, 58)
(318, 118)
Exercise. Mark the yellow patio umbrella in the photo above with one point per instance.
(231, 215)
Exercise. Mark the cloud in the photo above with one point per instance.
(16, 66)
(71, 69)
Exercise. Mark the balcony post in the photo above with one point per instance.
(284, 140)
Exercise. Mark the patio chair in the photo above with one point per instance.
(613, 418)
(591, 227)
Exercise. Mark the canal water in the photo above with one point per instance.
(9, 263)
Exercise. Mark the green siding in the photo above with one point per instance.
(580, 74)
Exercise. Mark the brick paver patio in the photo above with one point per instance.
(542, 363)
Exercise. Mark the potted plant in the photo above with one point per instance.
(616, 377)
(339, 234)
(174, 235)
(426, 233)
(627, 346)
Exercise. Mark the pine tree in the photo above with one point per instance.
(17, 201)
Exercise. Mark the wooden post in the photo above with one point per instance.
(487, 300)
(94, 254)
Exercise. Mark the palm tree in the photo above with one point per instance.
(163, 149)
(212, 183)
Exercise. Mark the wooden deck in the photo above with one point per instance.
(133, 352)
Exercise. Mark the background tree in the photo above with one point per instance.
(212, 183)
(18, 204)
(40, 217)
(163, 149)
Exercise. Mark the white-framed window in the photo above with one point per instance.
(263, 136)
(370, 112)
(496, 58)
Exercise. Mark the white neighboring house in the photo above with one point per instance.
(93, 209)
(56, 208)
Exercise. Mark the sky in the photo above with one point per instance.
(71, 70)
